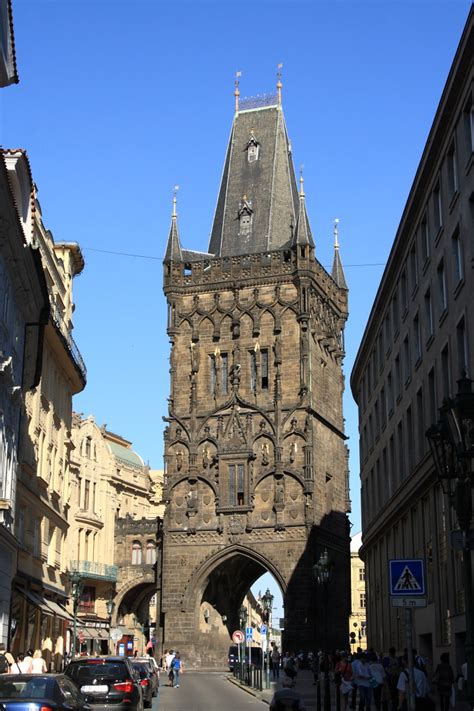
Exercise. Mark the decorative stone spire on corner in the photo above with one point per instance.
(237, 91)
(302, 233)
(279, 83)
(337, 272)
(173, 248)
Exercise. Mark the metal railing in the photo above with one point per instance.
(89, 569)
(70, 342)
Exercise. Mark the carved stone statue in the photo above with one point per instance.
(293, 450)
(205, 457)
(179, 459)
(265, 452)
(279, 491)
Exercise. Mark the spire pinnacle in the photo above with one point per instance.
(279, 84)
(302, 193)
(173, 247)
(237, 90)
(174, 214)
(337, 272)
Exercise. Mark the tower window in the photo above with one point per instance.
(252, 153)
(264, 368)
(236, 485)
(224, 373)
(253, 371)
(245, 223)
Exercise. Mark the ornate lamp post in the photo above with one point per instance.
(452, 446)
(110, 605)
(75, 581)
(267, 602)
(322, 571)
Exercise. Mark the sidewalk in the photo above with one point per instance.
(304, 686)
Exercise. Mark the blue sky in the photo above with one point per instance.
(118, 101)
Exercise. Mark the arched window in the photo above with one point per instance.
(136, 553)
(150, 552)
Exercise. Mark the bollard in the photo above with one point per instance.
(327, 693)
(318, 694)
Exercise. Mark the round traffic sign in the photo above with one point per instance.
(116, 634)
(238, 637)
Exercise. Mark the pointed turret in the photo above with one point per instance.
(173, 248)
(337, 272)
(302, 233)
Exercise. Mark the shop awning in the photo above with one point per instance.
(59, 611)
(36, 600)
(93, 633)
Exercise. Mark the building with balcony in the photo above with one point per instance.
(109, 483)
(418, 341)
(24, 305)
(42, 504)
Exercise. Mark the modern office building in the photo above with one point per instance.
(418, 341)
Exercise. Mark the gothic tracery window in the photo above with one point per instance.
(150, 552)
(136, 553)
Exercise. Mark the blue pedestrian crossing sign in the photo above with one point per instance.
(249, 634)
(407, 578)
(263, 629)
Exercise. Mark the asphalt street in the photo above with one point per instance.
(205, 691)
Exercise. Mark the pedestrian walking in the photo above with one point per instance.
(290, 668)
(422, 689)
(376, 679)
(392, 667)
(38, 664)
(287, 698)
(343, 678)
(6, 660)
(275, 658)
(22, 665)
(168, 661)
(443, 678)
(177, 668)
(361, 676)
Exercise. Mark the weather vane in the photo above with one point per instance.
(175, 192)
(237, 90)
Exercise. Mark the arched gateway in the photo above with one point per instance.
(256, 474)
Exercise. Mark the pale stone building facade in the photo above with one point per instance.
(109, 483)
(40, 586)
(23, 300)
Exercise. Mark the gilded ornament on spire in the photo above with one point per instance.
(174, 214)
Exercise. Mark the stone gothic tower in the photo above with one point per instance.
(256, 466)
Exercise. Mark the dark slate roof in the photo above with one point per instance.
(189, 255)
(268, 184)
(8, 68)
(337, 272)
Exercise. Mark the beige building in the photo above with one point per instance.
(41, 525)
(109, 482)
(418, 341)
(357, 618)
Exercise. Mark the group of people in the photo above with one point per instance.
(172, 663)
(29, 662)
(384, 680)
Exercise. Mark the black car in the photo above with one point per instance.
(145, 679)
(107, 682)
(40, 692)
(153, 668)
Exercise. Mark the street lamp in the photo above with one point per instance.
(75, 581)
(267, 602)
(110, 606)
(322, 571)
(243, 625)
(452, 446)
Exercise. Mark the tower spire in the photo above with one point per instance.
(279, 84)
(173, 247)
(302, 234)
(237, 90)
(337, 272)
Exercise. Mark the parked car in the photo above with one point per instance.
(145, 678)
(233, 657)
(40, 692)
(152, 665)
(107, 682)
